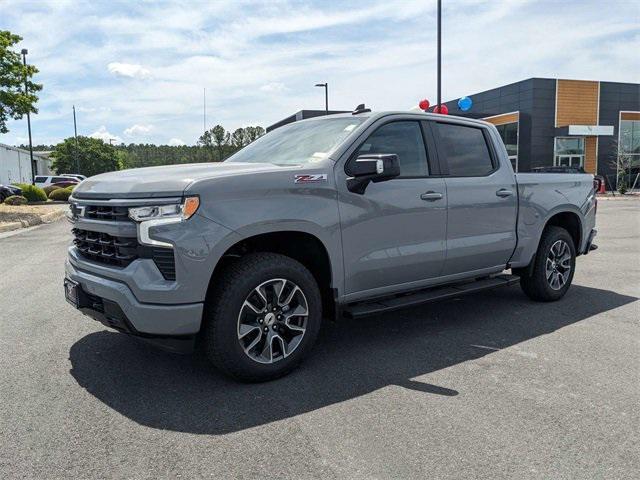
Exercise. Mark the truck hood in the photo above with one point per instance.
(165, 181)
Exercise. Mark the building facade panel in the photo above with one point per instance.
(576, 102)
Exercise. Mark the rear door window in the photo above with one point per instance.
(465, 150)
(41, 179)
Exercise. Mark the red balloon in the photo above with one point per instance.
(424, 104)
(442, 109)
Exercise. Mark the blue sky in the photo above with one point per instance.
(136, 70)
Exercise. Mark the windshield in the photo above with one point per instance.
(298, 142)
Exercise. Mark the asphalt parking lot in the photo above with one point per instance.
(487, 386)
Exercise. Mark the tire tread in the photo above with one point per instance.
(220, 302)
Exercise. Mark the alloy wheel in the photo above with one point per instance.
(558, 265)
(272, 320)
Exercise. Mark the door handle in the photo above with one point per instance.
(503, 192)
(431, 196)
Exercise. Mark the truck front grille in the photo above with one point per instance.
(121, 251)
(107, 213)
(104, 248)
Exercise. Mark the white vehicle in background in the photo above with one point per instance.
(77, 176)
(46, 180)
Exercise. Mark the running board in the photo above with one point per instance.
(389, 304)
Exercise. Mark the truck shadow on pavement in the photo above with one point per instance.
(352, 358)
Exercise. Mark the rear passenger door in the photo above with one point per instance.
(482, 199)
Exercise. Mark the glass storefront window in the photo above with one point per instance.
(509, 134)
(630, 136)
(569, 152)
(569, 146)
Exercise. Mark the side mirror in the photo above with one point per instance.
(372, 168)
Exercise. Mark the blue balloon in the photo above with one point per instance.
(465, 103)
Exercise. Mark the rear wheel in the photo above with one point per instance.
(553, 268)
(263, 317)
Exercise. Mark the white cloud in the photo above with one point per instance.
(138, 130)
(176, 142)
(103, 134)
(128, 70)
(260, 60)
(273, 87)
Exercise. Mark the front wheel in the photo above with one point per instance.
(553, 268)
(263, 317)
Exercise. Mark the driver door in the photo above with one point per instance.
(393, 235)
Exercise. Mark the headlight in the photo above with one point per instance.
(182, 211)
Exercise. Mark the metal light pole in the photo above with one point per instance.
(26, 92)
(326, 96)
(439, 54)
(75, 134)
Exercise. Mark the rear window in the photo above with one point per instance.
(465, 149)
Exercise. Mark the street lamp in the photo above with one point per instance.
(26, 92)
(326, 96)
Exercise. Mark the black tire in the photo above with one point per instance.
(221, 344)
(536, 285)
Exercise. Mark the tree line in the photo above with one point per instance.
(91, 156)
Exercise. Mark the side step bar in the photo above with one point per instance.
(388, 304)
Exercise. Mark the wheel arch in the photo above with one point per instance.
(302, 246)
(571, 222)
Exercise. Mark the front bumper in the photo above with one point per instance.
(113, 304)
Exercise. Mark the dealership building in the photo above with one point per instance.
(555, 122)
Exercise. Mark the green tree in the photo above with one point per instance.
(220, 139)
(93, 157)
(253, 133)
(206, 141)
(239, 138)
(14, 103)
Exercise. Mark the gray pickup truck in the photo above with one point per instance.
(344, 215)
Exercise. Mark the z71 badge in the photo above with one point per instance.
(310, 178)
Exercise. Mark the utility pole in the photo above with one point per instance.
(75, 134)
(439, 54)
(326, 96)
(26, 92)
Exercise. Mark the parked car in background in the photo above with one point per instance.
(69, 183)
(44, 181)
(77, 176)
(9, 190)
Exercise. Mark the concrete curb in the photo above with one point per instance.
(49, 217)
(52, 216)
(619, 197)
(8, 227)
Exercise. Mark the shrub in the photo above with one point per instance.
(33, 193)
(61, 194)
(50, 189)
(15, 200)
